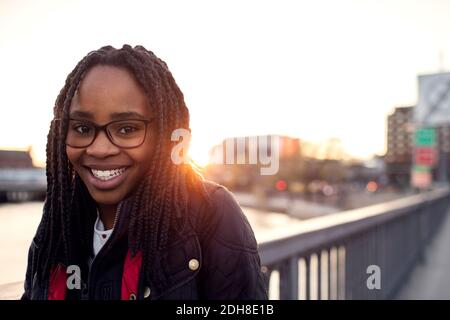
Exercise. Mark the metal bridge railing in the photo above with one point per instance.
(332, 257)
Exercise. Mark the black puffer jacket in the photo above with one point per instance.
(215, 258)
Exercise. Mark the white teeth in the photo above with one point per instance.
(107, 174)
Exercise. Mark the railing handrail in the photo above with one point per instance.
(314, 233)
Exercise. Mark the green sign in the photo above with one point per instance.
(425, 137)
(419, 168)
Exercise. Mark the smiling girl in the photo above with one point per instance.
(121, 220)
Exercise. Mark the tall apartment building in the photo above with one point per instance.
(400, 143)
(400, 130)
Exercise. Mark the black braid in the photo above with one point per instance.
(161, 199)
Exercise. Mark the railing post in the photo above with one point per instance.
(308, 276)
(289, 279)
(341, 273)
(329, 270)
(319, 275)
(338, 271)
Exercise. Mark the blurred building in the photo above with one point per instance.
(443, 153)
(19, 179)
(15, 159)
(432, 114)
(243, 147)
(398, 159)
(236, 162)
(400, 147)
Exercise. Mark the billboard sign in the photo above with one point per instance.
(433, 108)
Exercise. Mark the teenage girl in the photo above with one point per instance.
(123, 219)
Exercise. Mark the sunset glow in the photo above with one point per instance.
(295, 76)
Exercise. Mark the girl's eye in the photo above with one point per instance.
(82, 129)
(127, 130)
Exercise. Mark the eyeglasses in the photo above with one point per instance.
(122, 133)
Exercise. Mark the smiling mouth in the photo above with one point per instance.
(106, 175)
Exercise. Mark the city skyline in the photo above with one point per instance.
(293, 69)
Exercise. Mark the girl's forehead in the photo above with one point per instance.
(105, 90)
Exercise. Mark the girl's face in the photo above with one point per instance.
(110, 172)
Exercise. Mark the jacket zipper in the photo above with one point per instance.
(108, 242)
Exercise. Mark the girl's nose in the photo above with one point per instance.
(102, 147)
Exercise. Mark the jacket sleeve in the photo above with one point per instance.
(29, 273)
(231, 263)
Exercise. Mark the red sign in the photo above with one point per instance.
(425, 156)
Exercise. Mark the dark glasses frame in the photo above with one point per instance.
(104, 127)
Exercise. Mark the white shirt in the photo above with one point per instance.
(100, 235)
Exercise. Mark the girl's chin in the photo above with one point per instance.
(106, 198)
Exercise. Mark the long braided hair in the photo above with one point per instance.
(160, 201)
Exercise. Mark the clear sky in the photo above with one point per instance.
(309, 69)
